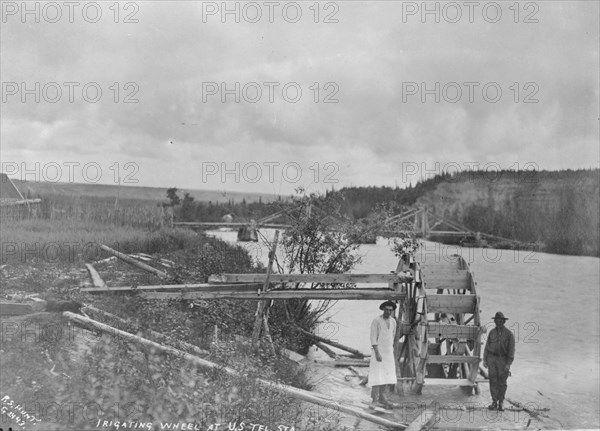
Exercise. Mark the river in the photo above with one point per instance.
(553, 305)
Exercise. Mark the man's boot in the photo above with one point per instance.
(500, 407)
(383, 399)
(493, 406)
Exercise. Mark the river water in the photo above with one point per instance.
(553, 306)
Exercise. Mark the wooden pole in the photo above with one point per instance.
(96, 279)
(268, 332)
(133, 261)
(278, 387)
(260, 308)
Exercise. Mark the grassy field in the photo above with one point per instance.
(112, 191)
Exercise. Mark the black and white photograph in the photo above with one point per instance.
(311, 215)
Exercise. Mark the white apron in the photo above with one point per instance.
(384, 372)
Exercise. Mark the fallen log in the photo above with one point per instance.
(140, 257)
(134, 262)
(205, 287)
(332, 343)
(285, 389)
(344, 362)
(96, 279)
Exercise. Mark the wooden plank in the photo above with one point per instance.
(303, 395)
(442, 271)
(446, 283)
(451, 359)
(440, 330)
(333, 294)
(208, 287)
(14, 309)
(310, 278)
(448, 232)
(96, 279)
(452, 382)
(232, 224)
(450, 303)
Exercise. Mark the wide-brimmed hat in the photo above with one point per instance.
(387, 304)
(500, 315)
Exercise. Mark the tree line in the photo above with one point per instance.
(558, 210)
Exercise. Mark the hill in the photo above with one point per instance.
(156, 194)
(558, 209)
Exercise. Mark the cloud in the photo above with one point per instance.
(364, 62)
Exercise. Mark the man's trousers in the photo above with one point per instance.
(498, 376)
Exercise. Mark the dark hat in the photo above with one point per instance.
(387, 304)
(500, 315)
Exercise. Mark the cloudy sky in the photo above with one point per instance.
(372, 93)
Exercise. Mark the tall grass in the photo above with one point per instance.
(129, 212)
(69, 229)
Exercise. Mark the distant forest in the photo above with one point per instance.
(557, 209)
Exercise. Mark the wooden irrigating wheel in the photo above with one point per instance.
(440, 326)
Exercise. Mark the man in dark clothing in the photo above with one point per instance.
(498, 356)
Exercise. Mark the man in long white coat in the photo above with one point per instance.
(382, 368)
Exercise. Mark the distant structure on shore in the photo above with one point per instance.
(12, 203)
(9, 193)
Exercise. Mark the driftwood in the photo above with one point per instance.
(134, 262)
(96, 279)
(332, 343)
(278, 387)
